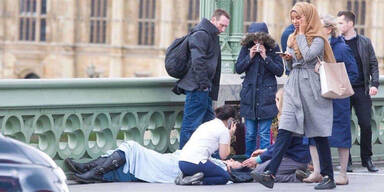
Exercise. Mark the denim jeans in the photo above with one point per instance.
(213, 174)
(255, 128)
(197, 110)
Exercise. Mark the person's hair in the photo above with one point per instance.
(219, 12)
(225, 112)
(348, 15)
(330, 22)
(265, 38)
(279, 101)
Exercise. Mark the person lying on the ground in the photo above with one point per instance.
(293, 165)
(132, 162)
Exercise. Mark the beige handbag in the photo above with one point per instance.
(334, 80)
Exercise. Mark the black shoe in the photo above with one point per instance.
(326, 183)
(81, 168)
(195, 179)
(110, 163)
(349, 167)
(300, 174)
(265, 178)
(370, 166)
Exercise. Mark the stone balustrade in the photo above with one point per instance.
(83, 118)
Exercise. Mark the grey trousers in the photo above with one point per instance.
(286, 171)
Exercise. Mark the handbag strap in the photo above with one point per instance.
(318, 64)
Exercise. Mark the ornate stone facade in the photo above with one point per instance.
(100, 38)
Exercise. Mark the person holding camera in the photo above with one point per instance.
(260, 63)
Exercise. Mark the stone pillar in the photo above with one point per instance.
(117, 40)
(207, 7)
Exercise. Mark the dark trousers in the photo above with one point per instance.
(283, 140)
(362, 103)
(213, 174)
(197, 110)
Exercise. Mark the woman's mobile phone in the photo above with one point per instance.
(281, 54)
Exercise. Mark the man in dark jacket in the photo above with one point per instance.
(296, 158)
(365, 86)
(201, 83)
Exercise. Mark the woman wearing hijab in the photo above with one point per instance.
(341, 131)
(305, 111)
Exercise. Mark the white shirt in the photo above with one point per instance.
(205, 141)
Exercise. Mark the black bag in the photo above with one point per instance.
(177, 57)
(177, 60)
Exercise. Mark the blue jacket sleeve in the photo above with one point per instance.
(274, 63)
(267, 155)
(350, 64)
(243, 61)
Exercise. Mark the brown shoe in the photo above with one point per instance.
(313, 178)
(341, 180)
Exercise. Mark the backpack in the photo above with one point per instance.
(177, 57)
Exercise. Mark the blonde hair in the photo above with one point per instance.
(330, 22)
(279, 101)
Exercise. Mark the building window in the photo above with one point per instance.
(250, 13)
(295, 1)
(32, 20)
(193, 13)
(359, 8)
(98, 21)
(147, 17)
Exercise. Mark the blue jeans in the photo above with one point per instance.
(213, 174)
(254, 128)
(197, 110)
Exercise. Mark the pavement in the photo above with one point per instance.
(360, 180)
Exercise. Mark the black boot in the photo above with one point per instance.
(82, 167)
(369, 165)
(110, 163)
(195, 179)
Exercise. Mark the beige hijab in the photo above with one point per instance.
(314, 27)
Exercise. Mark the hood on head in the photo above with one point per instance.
(258, 27)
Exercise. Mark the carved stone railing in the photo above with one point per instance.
(82, 118)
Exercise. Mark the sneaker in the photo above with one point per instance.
(178, 179)
(326, 183)
(300, 174)
(265, 178)
(195, 179)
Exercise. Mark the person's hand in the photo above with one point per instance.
(287, 56)
(262, 51)
(251, 162)
(257, 152)
(232, 130)
(253, 51)
(372, 91)
(303, 25)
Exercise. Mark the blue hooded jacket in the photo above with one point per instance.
(257, 96)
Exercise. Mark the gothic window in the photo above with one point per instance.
(32, 20)
(98, 21)
(193, 13)
(147, 19)
(359, 8)
(250, 13)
